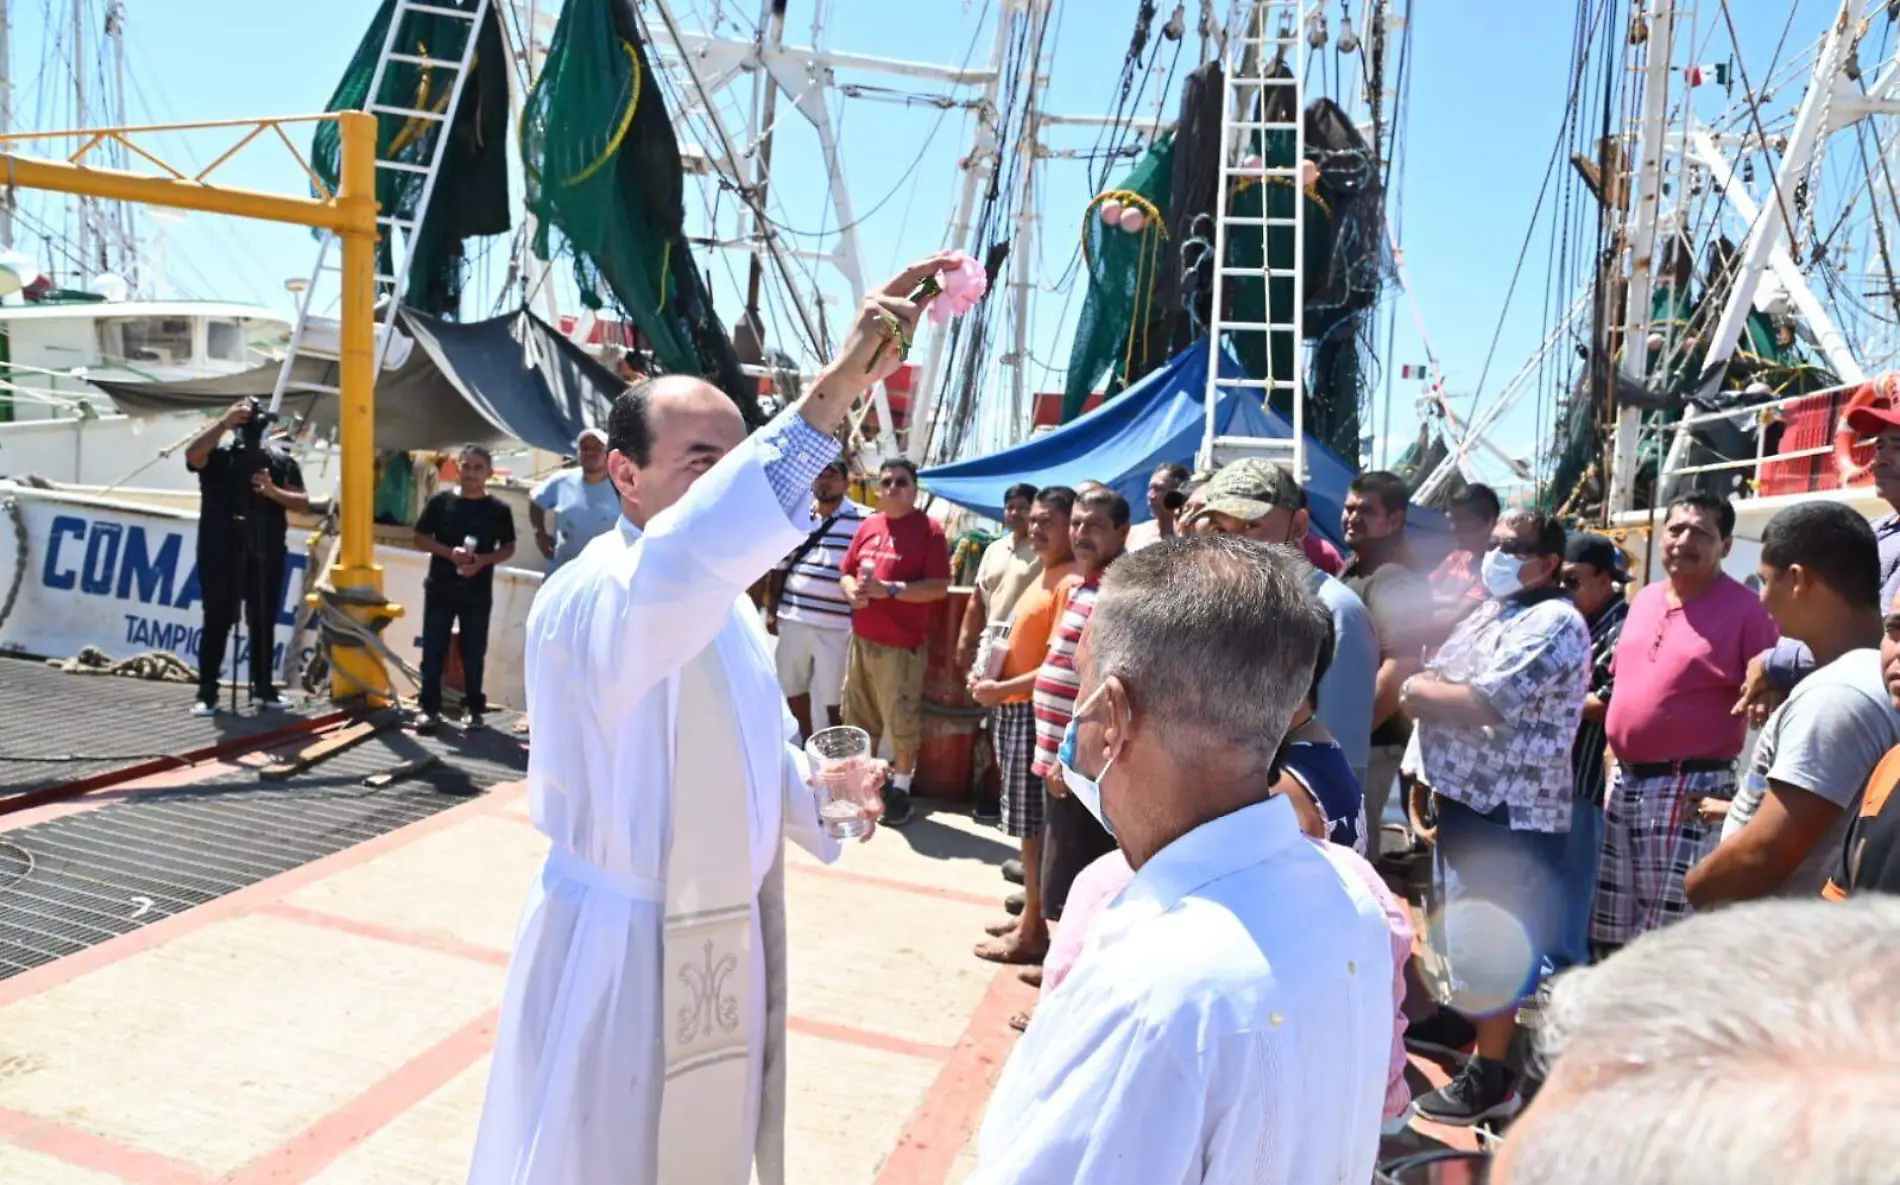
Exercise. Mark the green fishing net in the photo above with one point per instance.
(1112, 336)
(605, 184)
(1335, 422)
(471, 192)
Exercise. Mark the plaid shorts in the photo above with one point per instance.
(1652, 837)
(1013, 733)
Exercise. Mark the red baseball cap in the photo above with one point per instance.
(1872, 420)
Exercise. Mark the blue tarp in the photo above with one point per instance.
(1159, 419)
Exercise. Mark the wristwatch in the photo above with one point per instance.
(1405, 689)
(897, 588)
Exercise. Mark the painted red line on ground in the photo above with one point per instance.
(883, 1042)
(381, 933)
(170, 779)
(245, 900)
(884, 882)
(938, 1131)
(325, 1141)
(190, 757)
(82, 1149)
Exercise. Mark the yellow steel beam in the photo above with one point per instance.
(357, 669)
(116, 185)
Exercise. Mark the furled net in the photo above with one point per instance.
(471, 191)
(1112, 337)
(604, 172)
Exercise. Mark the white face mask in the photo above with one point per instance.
(1087, 790)
(1503, 574)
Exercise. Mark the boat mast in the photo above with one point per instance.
(1023, 249)
(6, 111)
(977, 168)
(764, 111)
(1645, 215)
(1765, 232)
(84, 205)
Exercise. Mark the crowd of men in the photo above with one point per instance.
(1200, 723)
(1569, 754)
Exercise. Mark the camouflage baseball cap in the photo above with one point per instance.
(1250, 489)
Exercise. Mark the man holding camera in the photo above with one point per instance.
(246, 488)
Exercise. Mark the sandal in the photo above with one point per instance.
(1009, 954)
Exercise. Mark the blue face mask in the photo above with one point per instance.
(1087, 790)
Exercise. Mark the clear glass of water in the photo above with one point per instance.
(841, 771)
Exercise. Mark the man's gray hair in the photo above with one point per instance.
(1215, 637)
(1759, 1043)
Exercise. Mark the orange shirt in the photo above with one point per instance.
(1030, 626)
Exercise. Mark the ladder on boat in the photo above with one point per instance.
(1261, 113)
(428, 123)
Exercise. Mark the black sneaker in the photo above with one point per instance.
(1013, 871)
(991, 813)
(1483, 1090)
(1443, 1036)
(896, 807)
(473, 722)
(427, 724)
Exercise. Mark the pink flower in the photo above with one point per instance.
(964, 283)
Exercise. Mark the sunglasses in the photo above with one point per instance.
(885, 483)
(1518, 549)
(1570, 584)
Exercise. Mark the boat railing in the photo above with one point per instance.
(1797, 459)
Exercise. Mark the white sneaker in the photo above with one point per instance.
(202, 709)
(275, 703)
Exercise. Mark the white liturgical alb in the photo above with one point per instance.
(641, 1034)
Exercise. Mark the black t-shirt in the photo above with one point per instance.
(452, 520)
(225, 496)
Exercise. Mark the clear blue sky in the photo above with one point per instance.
(1487, 98)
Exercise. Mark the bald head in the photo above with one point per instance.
(663, 434)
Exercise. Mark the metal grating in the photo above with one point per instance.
(74, 882)
(86, 725)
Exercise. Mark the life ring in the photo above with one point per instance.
(1880, 390)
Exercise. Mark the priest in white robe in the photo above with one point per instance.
(642, 1032)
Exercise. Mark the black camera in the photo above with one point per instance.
(250, 434)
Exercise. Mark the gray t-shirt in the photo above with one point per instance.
(1345, 692)
(1826, 739)
(575, 511)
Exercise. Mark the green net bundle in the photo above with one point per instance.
(471, 192)
(604, 172)
(1113, 334)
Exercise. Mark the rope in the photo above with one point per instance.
(12, 507)
(158, 666)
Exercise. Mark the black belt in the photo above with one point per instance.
(1695, 765)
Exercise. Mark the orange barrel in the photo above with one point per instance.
(945, 683)
(946, 755)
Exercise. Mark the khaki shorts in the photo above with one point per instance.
(882, 690)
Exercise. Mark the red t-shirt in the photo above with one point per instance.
(906, 549)
(1323, 555)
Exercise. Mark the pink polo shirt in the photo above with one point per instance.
(1679, 671)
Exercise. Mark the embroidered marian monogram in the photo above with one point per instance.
(712, 1004)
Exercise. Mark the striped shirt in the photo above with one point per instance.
(1058, 681)
(812, 596)
(1586, 757)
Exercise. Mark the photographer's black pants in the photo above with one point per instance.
(441, 610)
(258, 585)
